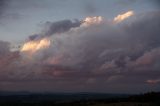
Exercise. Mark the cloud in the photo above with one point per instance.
(155, 81)
(60, 26)
(56, 27)
(124, 16)
(6, 59)
(100, 55)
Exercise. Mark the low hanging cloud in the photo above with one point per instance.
(153, 81)
(93, 55)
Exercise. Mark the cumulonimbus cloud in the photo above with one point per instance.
(103, 52)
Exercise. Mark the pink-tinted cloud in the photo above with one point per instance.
(94, 57)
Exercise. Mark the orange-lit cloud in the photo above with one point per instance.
(35, 45)
(92, 20)
(121, 17)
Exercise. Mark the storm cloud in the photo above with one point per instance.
(52, 28)
(94, 57)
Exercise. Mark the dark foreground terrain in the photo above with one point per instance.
(78, 99)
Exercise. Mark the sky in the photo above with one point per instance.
(23, 18)
(115, 50)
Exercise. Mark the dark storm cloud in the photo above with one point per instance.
(56, 27)
(108, 49)
(102, 56)
(61, 26)
(128, 50)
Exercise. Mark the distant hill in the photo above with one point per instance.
(77, 99)
(27, 96)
